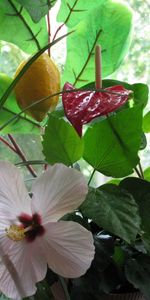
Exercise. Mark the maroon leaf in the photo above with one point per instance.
(83, 106)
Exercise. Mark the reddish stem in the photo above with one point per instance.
(21, 154)
(58, 29)
(71, 9)
(49, 32)
(7, 144)
(98, 67)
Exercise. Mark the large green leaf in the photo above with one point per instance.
(21, 125)
(61, 143)
(111, 145)
(37, 8)
(73, 11)
(109, 25)
(140, 190)
(113, 209)
(18, 28)
(138, 273)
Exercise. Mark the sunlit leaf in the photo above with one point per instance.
(109, 25)
(111, 146)
(37, 8)
(21, 30)
(61, 143)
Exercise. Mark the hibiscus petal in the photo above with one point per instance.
(68, 248)
(58, 191)
(14, 197)
(21, 269)
(83, 106)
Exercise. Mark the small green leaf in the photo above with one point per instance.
(109, 24)
(61, 143)
(137, 272)
(37, 8)
(147, 174)
(111, 146)
(113, 209)
(146, 123)
(18, 28)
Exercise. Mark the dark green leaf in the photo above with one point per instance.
(143, 142)
(37, 8)
(113, 209)
(111, 146)
(61, 143)
(138, 273)
(140, 190)
(146, 123)
(23, 124)
(99, 27)
(43, 292)
(21, 30)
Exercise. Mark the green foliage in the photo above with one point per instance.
(21, 30)
(10, 109)
(137, 272)
(146, 123)
(61, 144)
(77, 10)
(140, 190)
(100, 26)
(111, 146)
(37, 8)
(114, 210)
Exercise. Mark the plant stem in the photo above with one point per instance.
(7, 144)
(141, 170)
(49, 32)
(91, 177)
(21, 155)
(98, 67)
(137, 172)
(64, 286)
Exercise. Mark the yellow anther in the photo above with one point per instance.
(15, 233)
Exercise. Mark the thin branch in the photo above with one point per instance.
(7, 144)
(91, 177)
(18, 13)
(64, 286)
(71, 10)
(49, 32)
(21, 154)
(141, 170)
(138, 173)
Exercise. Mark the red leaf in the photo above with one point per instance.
(83, 106)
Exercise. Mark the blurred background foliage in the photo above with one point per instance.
(135, 68)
